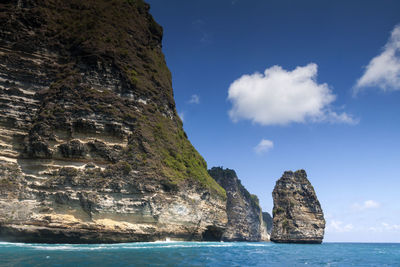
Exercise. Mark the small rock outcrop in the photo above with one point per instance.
(245, 221)
(297, 213)
(267, 221)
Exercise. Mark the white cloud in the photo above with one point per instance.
(264, 146)
(383, 71)
(368, 204)
(182, 116)
(391, 227)
(200, 26)
(333, 117)
(194, 99)
(339, 226)
(371, 204)
(281, 97)
(384, 227)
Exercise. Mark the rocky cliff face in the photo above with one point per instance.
(267, 218)
(297, 213)
(91, 147)
(245, 222)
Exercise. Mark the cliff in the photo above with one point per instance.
(91, 146)
(297, 213)
(267, 218)
(245, 222)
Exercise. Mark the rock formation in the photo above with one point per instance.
(267, 218)
(91, 146)
(245, 222)
(297, 213)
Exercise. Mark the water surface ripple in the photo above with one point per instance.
(200, 254)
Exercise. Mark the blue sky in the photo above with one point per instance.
(269, 86)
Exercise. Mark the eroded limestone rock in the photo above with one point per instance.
(297, 213)
(245, 221)
(268, 221)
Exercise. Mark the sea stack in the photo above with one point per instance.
(92, 149)
(245, 219)
(297, 213)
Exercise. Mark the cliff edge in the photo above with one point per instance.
(297, 213)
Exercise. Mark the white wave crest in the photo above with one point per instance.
(152, 245)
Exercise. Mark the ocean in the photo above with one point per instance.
(200, 254)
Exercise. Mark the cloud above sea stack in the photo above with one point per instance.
(264, 146)
(383, 71)
(339, 226)
(366, 205)
(279, 97)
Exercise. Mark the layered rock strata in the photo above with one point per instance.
(245, 221)
(297, 213)
(91, 146)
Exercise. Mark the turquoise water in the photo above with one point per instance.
(200, 254)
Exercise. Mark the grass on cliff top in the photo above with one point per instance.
(120, 31)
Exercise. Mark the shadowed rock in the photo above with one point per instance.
(268, 221)
(245, 221)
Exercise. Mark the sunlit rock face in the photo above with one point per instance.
(91, 147)
(245, 221)
(297, 213)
